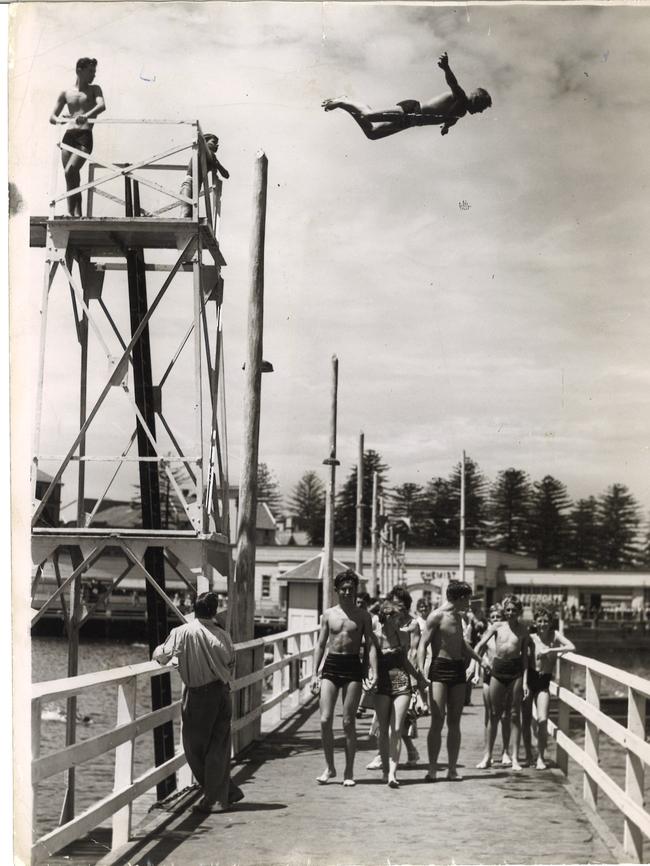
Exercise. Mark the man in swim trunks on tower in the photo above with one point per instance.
(212, 164)
(84, 102)
(444, 110)
(509, 680)
(342, 630)
(449, 650)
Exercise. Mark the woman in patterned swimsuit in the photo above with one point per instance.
(393, 694)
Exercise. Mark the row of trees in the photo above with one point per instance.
(512, 514)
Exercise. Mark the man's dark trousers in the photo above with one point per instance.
(206, 712)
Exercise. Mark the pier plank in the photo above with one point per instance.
(494, 816)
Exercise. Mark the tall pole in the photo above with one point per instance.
(359, 545)
(383, 541)
(391, 553)
(68, 808)
(462, 518)
(241, 589)
(375, 588)
(148, 471)
(332, 462)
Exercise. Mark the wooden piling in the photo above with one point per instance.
(241, 586)
(462, 519)
(374, 586)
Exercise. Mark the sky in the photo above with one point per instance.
(485, 291)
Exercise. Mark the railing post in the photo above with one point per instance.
(293, 646)
(126, 702)
(36, 746)
(278, 676)
(592, 696)
(634, 773)
(564, 715)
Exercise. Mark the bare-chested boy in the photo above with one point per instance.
(449, 650)
(444, 110)
(343, 627)
(509, 680)
(546, 645)
(84, 101)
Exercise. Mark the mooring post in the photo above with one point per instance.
(241, 589)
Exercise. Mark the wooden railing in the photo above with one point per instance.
(289, 671)
(630, 737)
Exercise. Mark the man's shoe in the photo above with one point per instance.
(235, 796)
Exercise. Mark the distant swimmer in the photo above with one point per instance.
(342, 630)
(84, 101)
(444, 110)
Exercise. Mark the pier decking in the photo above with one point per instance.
(494, 816)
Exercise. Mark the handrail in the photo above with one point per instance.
(631, 737)
(299, 652)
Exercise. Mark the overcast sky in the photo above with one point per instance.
(514, 327)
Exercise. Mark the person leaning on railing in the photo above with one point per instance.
(212, 143)
(206, 661)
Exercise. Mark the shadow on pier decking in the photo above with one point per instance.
(494, 816)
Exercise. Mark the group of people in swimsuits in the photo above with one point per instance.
(403, 664)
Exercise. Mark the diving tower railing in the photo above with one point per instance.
(290, 671)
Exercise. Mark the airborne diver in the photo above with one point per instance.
(444, 110)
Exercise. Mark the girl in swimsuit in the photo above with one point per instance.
(394, 685)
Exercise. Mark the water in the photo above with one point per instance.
(94, 779)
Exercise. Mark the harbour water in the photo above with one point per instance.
(95, 779)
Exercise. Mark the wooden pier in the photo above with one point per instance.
(493, 816)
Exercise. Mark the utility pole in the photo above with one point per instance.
(241, 595)
(327, 564)
(462, 519)
(375, 587)
(383, 538)
(359, 545)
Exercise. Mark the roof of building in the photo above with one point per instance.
(310, 570)
(264, 519)
(574, 577)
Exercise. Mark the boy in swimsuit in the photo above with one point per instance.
(213, 164)
(509, 679)
(546, 645)
(84, 102)
(342, 629)
(495, 614)
(444, 110)
(444, 631)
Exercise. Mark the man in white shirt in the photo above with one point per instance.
(206, 660)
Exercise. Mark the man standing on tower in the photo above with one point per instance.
(84, 101)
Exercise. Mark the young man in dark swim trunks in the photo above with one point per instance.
(84, 102)
(342, 630)
(444, 110)
(509, 680)
(449, 650)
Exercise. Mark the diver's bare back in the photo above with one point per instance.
(447, 640)
(508, 641)
(443, 107)
(345, 631)
(81, 102)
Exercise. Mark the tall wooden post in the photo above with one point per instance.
(374, 586)
(154, 563)
(391, 554)
(359, 545)
(332, 462)
(462, 519)
(241, 589)
(68, 810)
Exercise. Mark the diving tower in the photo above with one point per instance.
(146, 389)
